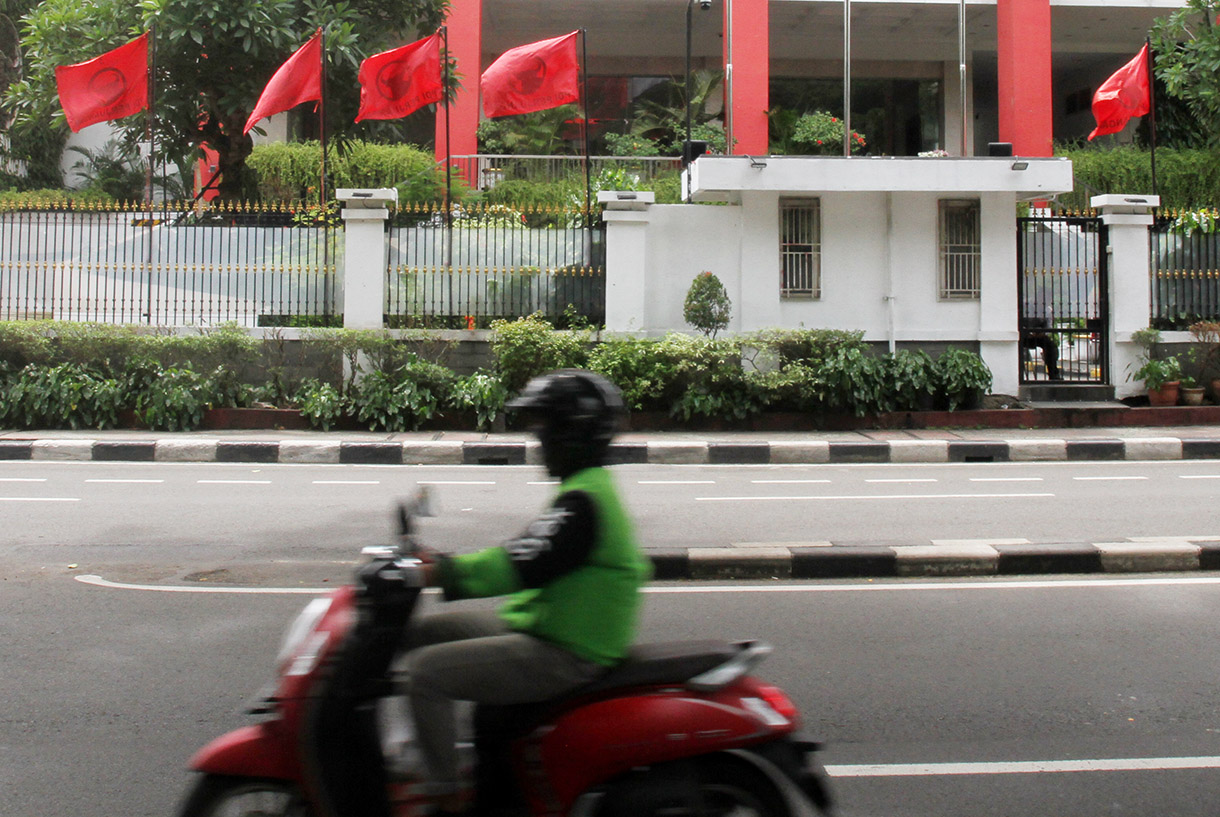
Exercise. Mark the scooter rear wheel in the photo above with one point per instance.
(220, 796)
(718, 787)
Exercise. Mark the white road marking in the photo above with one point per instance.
(233, 481)
(790, 481)
(913, 479)
(39, 499)
(867, 496)
(347, 482)
(23, 479)
(1006, 479)
(866, 587)
(125, 481)
(1198, 476)
(676, 482)
(1106, 479)
(455, 482)
(1119, 764)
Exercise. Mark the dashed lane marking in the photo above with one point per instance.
(846, 497)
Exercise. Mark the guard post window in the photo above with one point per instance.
(960, 249)
(800, 248)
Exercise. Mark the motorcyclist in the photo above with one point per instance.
(572, 577)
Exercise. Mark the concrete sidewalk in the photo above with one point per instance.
(662, 448)
(789, 561)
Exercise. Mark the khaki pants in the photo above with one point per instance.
(473, 656)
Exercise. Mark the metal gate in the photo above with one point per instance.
(1062, 295)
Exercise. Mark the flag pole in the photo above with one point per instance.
(152, 154)
(448, 155)
(584, 92)
(322, 121)
(1151, 110)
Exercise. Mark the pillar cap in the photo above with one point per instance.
(626, 199)
(366, 198)
(1125, 204)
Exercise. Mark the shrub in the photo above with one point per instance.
(819, 133)
(961, 378)
(483, 393)
(710, 381)
(707, 306)
(645, 370)
(321, 403)
(173, 400)
(528, 347)
(66, 395)
(401, 400)
(809, 345)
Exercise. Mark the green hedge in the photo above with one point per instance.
(1186, 179)
(289, 171)
(85, 375)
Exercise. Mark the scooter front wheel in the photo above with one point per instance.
(221, 796)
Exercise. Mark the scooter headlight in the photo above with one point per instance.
(300, 634)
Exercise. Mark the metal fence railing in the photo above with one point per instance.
(172, 265)
(1185, 275)
(485, 171)
(494, 262)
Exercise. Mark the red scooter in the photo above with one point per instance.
(677, 729)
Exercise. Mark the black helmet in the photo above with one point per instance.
(575, 414)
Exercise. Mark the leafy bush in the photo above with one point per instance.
(483, 393)
(709, 379)
(288, 170)
(174, 400)
(809, 345)
(321, 403)
(961, 378)
(401, 400)
(1186, 179)
(911, 383)
(528, 347)
(707, 306)
(63, 396)
(645, 370)
(819, 133)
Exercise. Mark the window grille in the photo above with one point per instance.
(960, 249)
(800, 248)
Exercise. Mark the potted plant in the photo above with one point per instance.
(1190, 392)
(1162, 377)
(1205, 353)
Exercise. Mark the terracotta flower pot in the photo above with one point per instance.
(1166, 395)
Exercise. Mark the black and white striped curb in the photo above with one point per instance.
(966, 559)
(662, 452)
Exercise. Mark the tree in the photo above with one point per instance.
(213, 59)
(707, 306)
(1186, 45)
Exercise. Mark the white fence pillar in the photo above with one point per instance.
(1127, 219)
(626, 216)
(364, 265)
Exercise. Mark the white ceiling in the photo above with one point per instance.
(812, 30)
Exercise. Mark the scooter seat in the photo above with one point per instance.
(666, 662)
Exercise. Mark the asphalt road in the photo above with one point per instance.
(327, 512)
(926, 692)
(108, 691)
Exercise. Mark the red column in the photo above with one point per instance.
(465, 25)
(749, 52)
(1023, 46)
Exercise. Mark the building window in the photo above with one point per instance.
(800, 248)
(960, 249)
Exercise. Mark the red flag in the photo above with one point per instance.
(1124, 95)
(396, 83)
(298, 80)
(532, 77)
(111, 86)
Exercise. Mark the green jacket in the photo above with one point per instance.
(581, 594)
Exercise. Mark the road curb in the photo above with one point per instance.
(848, 562)
(679, 452)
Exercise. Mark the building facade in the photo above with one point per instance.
(1029, 71)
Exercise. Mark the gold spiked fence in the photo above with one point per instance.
(1185, 264)
(169, 264)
